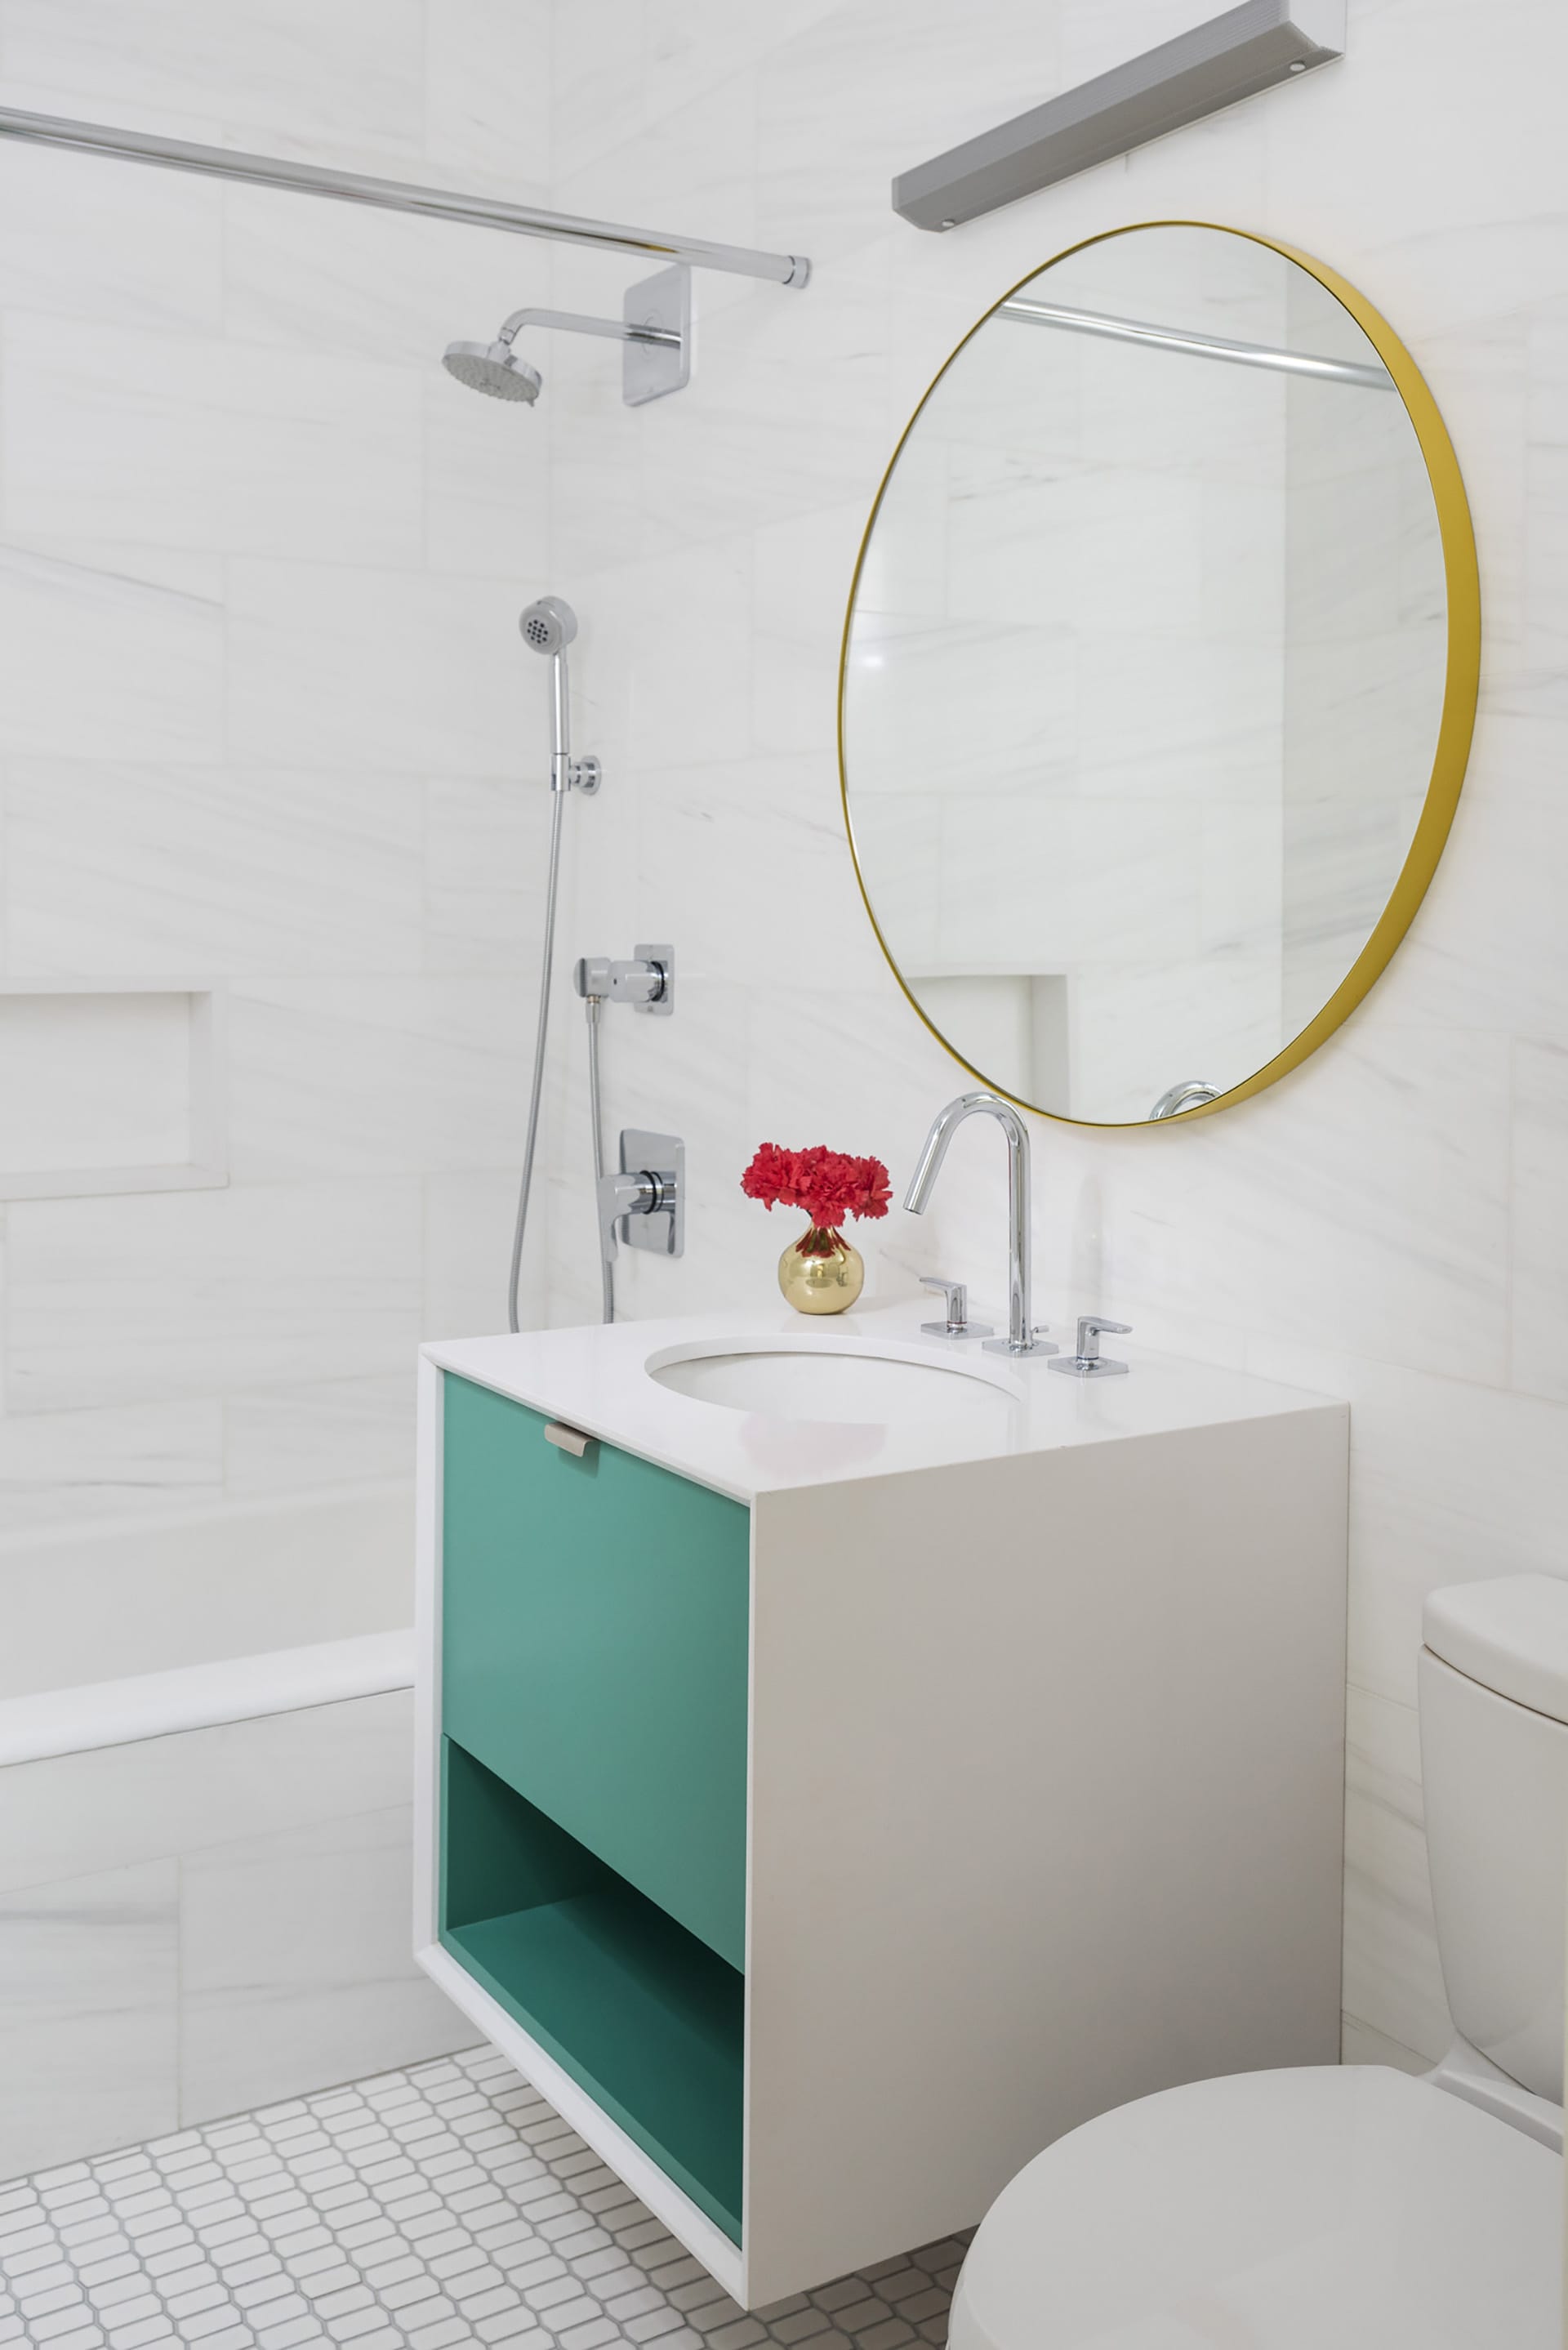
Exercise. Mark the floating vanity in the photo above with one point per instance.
(847, 1761)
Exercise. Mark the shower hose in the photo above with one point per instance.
(592, 1006)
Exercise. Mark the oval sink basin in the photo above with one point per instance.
(837, 1384)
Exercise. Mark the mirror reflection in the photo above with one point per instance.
(1144, 674)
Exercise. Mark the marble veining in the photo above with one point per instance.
(293, 1966)
(89, 2032)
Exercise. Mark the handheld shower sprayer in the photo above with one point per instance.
(547, 627)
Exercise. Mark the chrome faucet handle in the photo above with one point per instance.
(622, 1196)
(643, 1202)
(957, 1323)
(1087, 1362)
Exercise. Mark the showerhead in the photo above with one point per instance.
(548, 626)
(492, 367)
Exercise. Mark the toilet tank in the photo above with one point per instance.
(1493, 1679)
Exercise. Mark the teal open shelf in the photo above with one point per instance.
(643, 2015)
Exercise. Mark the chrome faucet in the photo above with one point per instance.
(1021, 1339)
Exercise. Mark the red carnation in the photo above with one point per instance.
(771, 1175)
(829, 1185)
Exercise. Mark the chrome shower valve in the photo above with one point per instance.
(643, 1202)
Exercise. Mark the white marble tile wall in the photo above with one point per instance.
(265, 719)
(1386, 1224)
(200, 1924)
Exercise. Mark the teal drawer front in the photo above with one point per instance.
(594, 1636)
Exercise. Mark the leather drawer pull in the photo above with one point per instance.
(570, 1440)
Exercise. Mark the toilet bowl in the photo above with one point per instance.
(1349, 2208)
(1334, 2208)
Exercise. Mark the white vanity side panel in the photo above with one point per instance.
(1047, 1814)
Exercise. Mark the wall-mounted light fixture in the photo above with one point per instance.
(1234, 55)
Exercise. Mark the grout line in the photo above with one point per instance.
(452, 2128)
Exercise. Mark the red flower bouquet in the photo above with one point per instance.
(821, 1273)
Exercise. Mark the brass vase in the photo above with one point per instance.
(822, 1272)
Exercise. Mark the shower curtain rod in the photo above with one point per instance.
(396, 196)
(1207, 346)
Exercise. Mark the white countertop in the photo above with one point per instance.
(595, 1379)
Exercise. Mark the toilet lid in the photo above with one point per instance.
(1326, 2209)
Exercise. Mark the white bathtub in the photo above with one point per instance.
(205, 1827)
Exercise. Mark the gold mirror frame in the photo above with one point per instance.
(1460, 685)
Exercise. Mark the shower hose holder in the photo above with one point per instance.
(646, 982)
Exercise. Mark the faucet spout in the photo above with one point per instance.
(1021, 1339)
(944, 1125)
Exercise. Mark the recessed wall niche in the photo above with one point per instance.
(112, 1087)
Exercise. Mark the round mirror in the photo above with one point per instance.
(1158, 674)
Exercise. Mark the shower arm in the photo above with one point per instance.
(615, 330)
